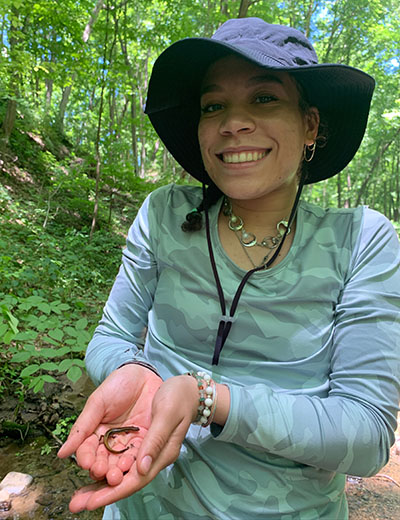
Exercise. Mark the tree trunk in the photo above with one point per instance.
(348, 191)
(67, 90)
(310, 10)
(11, 107)
(374, 165)
(63, 106)
(92, 20)
(224, 7)
(123, 40)
(339, 189)
(133, 136)
(244, 7)
(98, 134)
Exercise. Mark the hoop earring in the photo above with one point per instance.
(309, 148)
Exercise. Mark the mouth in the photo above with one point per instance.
(242, 157)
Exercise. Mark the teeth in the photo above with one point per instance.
(242, 157)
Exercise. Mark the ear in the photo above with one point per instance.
(312, 125)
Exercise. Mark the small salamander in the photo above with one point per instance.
(113, 431)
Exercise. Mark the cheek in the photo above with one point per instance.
(204, 141)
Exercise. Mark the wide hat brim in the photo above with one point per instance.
(342, 94)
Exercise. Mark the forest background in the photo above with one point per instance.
(78, 156)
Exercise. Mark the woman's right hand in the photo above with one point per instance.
(123, 399)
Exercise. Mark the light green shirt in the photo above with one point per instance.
(312, 360)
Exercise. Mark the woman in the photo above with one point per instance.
(284, 315)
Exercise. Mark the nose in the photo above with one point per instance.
(237, 121)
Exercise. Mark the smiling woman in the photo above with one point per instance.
(252, 134)
(256, 346)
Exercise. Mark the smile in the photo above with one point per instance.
(241, 157)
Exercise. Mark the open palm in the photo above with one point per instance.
(123, 399)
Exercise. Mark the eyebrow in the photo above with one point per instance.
(261, 78)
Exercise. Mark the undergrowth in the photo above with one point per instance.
(53, 284)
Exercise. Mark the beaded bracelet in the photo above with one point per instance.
(207, 398)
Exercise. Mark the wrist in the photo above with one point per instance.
(206, 398)
(223, 404)
(144, 364)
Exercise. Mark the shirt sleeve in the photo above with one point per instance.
(351, 430)
(120, 335)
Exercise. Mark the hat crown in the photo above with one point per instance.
(277, 44)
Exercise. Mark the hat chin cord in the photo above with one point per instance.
(226, 320)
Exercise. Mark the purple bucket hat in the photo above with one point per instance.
(342, 94)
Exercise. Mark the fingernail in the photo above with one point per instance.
(146, 463)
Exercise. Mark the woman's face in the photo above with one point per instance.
(251, 131)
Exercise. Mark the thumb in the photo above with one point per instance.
(160, 446)
(172, 413)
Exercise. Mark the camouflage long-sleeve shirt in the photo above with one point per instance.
(312, 360)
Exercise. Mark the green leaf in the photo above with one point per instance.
(79, 348)
(49, 366)
(20, 357)
(44, 307)
(52, 352)
(49, 379)
(12, 320)
(64, 306)
(29, 370)
(81, 324)
(34, 300)
(39, 386)
(71, 331)
(65, 365)
(26, 335)
(79, 362)
(3, 329)
(8, 337)
(46, 339)
(56, 334)
(74, 373)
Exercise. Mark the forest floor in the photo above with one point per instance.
(375, 498)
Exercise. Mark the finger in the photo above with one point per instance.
(125, 461)
(171, 418)
(114, 476)
(81, 497)
(101, 464)
(87, 452)
(91, 498)
(161, 436)
(87, 422)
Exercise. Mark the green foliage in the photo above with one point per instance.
(46, 341)
(63, 427)
(53, 284)
(79, 80)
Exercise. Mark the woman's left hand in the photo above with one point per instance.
(174, 407)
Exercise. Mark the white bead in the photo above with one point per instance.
(201, 374)
(209, 390)
(206, 412)
(203, 420)
(207, 377)
(208, 402)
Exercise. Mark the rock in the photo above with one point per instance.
(45, 500)
(4, 495)
(15, 482)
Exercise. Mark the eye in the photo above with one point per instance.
(265, 98)
(211, 107)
